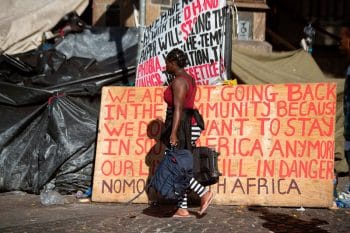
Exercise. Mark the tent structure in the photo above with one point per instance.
(50, 110)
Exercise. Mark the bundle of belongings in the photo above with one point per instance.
(178, 166)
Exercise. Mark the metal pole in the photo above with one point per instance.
(228, 39)
(142, 19)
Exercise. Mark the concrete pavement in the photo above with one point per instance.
(21, 212)
(25, 213)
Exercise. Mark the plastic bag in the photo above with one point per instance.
(51, 197)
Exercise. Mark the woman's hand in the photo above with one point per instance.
(173, 140)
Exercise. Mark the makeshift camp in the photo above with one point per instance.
(50, 99)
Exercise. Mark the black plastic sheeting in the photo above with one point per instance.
(49, 107)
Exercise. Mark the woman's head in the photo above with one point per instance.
(176, 56)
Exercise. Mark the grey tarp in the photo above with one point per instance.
(48, 120)
(289, 67)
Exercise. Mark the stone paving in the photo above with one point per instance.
(22, 212)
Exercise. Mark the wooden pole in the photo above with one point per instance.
(228, 39)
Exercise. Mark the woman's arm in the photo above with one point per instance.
(180, 88)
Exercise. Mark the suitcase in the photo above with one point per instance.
(205, 165)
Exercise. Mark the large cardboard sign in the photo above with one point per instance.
(196, 27)
(276, 142)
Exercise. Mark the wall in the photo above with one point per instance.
(250, 12)
(121, 11)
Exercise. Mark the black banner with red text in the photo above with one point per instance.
(196, 27)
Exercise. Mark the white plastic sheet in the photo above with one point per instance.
(23, 22)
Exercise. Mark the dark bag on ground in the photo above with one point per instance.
(205, 165)
(173, 174)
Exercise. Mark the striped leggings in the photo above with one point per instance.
(195, 133)
(194, 185)
(197, 188)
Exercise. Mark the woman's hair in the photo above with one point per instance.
(178, 56)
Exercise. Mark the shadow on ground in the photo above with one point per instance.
(160, 211)
(279, 222)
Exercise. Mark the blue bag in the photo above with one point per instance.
(173, 174)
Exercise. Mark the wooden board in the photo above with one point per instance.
(276, 142)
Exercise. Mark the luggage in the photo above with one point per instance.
(173, 174)
(205, 165)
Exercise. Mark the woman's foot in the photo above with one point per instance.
(181, 213)
(206, 199)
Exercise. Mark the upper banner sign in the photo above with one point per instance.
(196, 27)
